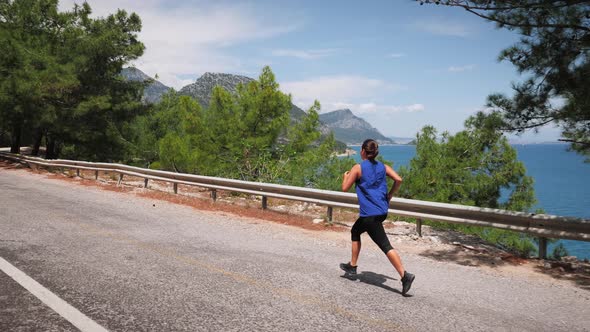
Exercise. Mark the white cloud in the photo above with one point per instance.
(217, 26)
(456, 69)
(442, 28)
(386, 109)
(304, 54)
(190, 38)
(356, 93)
(368, 108)
(338, 106)
(171, 80)
(337, 89)
(396, 55)
(414, 108)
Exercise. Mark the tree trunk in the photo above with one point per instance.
(16, 138)
(37, 143)
(50, 152)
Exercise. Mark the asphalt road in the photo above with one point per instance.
(133, 264)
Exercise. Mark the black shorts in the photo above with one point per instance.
(373, 225)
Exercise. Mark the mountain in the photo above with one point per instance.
(346, 126)
(351, 129)
(153, 92)
(202, 91)
(402, 140)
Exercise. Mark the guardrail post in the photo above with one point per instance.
(77, 172)
(264, 202)
(542, 247)
(176, 188)
(214, 195)
(329, 214)
(96, 175)
(145, 183)
(419, 227)
(120, 179)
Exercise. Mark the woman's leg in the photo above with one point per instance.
(355, 234)
(377, 234)
(396, 261)
(356, 250)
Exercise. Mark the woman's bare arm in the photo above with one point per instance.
(397, 181)
(350, 177)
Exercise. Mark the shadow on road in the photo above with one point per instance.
(464, 257)
(578, 273)
(374, 279)
(581, 276)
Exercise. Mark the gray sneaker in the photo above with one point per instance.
(407, 281)
(349, 269)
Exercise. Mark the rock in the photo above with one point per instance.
(318, 221)
(569, 259)
(302, 207)
(547, 265)
(565, 266)
(434, 239)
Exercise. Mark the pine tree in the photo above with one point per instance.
(60, 78)
(555, 50)
(475, 167)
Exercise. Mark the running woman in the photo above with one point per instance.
(371, 189)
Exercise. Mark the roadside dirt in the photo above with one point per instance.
(439, 245)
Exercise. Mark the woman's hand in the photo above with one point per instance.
(349, 177)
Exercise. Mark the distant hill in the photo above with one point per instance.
(351, 129)
(202, 89)
(403, 140)
(153, 92)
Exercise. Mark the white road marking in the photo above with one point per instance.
(60, 306)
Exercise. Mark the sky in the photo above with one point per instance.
(396, 64)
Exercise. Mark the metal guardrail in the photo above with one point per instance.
(541, 225)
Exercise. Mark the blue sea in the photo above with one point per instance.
(562, 181)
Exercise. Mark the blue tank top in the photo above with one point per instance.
(371, 189)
